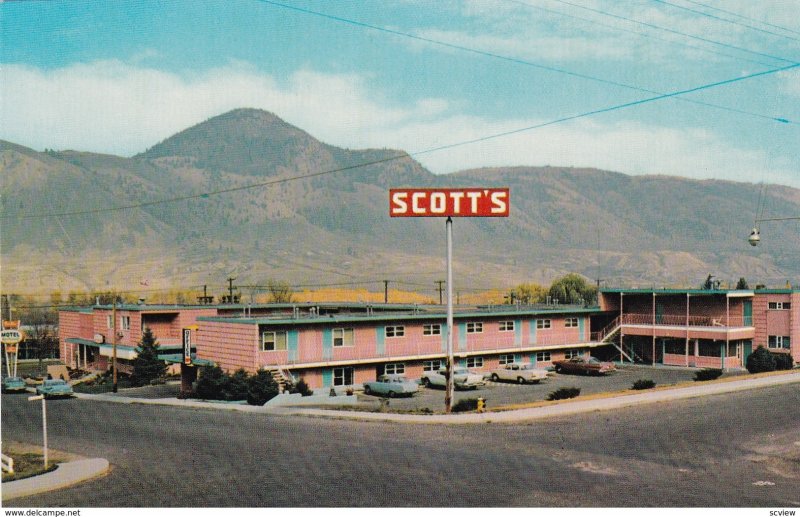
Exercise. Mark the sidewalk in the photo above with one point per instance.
(67, 474)
(568, 407)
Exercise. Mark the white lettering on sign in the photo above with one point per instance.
(447, 202)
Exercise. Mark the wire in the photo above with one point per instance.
(641, 34)
(713, 17)
(742, 16)
(653, 26)
(419, 153)
(518, 60)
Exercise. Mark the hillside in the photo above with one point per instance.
(334, 228)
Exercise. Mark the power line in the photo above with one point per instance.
(714, 17)
(462, 143)
(742, 16)
(637, 33)
(514, 59)
(673, 31)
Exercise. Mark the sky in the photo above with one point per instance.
(118, 77)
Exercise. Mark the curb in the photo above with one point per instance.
(67, 474)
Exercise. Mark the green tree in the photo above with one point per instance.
(573, 289)
(234, 387)
(210, 383)
(261, 388)
(147, 366)
(742, 284)
(530, 293)
(279, 292)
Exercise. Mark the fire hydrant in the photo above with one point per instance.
(481, 404)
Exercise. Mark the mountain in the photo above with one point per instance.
(334, 227)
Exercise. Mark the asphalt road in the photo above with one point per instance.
(739, 449)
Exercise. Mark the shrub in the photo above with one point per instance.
(643, 384)
(564, 393)
(261, 387)
(234, 387)
(465, 405)
(783, 361)
(147, 366)
(707, 374)
(760, 361)
(302, 388)
(210, 383)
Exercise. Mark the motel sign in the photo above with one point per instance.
(449, 202)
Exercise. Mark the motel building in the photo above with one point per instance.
(346, 344)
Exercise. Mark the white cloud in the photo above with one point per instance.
(118, 108)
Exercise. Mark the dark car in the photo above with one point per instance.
(584, 365)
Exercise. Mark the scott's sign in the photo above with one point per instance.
(449, 202)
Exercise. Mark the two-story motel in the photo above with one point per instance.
(345, 344)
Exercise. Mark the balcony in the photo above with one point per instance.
(693, 327)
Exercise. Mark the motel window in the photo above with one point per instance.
(394, 368)
(109, 321)
(506, 359)
(474, 362)
(432, 366)
(676, 347)
(396, 331)
(506, 326)
(125, 322)
(709, 349)
(543, 356)
(571, 322)
(543, 324)
(273, 341)
(783, 306)
(474, 327)
(343, 376)
(433, 329)
(779, 342)
(569, 354)
(343, 337)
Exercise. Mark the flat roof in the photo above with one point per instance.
(727, 292)
(244, 306)
(356, 318)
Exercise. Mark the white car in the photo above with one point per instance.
(519, 373)
(463, 379)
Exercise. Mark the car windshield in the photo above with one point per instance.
(529, 367)
(13, 379)
(593, 360)
(54, 382)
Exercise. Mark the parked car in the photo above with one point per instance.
(463, 379)
(584, 365)
(54, 388)
(520, 373)
(391, 386)
(11, 384)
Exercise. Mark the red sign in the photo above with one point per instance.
(449, 202)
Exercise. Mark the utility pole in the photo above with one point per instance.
(230, 289)
(440, 282)
(385, 291)
(448, 397)
(114, 341)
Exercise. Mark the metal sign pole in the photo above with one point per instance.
(448, 399)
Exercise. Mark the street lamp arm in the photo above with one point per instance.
(778, 219)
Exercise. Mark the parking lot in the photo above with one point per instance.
(502, 393)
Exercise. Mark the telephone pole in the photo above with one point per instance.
(230, 289)
(114, 340)
(385, 291)
(440, 282)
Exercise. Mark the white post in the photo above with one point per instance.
(44, 425)
(448, 398)
(8, 363)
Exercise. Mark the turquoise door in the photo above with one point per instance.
(659, 313)
(748, 314)
(747, 349)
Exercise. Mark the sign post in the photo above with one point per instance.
(11, 337)
(187, 344)
(449, 202)
(44, 424)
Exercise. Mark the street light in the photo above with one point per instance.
(755, 234)
(44, 424)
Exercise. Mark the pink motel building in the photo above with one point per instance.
(343, 344)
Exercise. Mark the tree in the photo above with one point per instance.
(234, 387)
(573, 289)
(530, 293)
(261, 388)
(742, 284)
(147, 366)
(279, 292)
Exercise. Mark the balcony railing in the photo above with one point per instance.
(677, 320)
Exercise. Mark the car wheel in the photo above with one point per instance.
(391, 394)
(520, 380)
(426, 382)
(367, 390)
(558, 369)
(495, 378)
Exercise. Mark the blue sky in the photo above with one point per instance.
(118, 77)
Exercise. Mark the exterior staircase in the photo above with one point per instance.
(283, 378)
